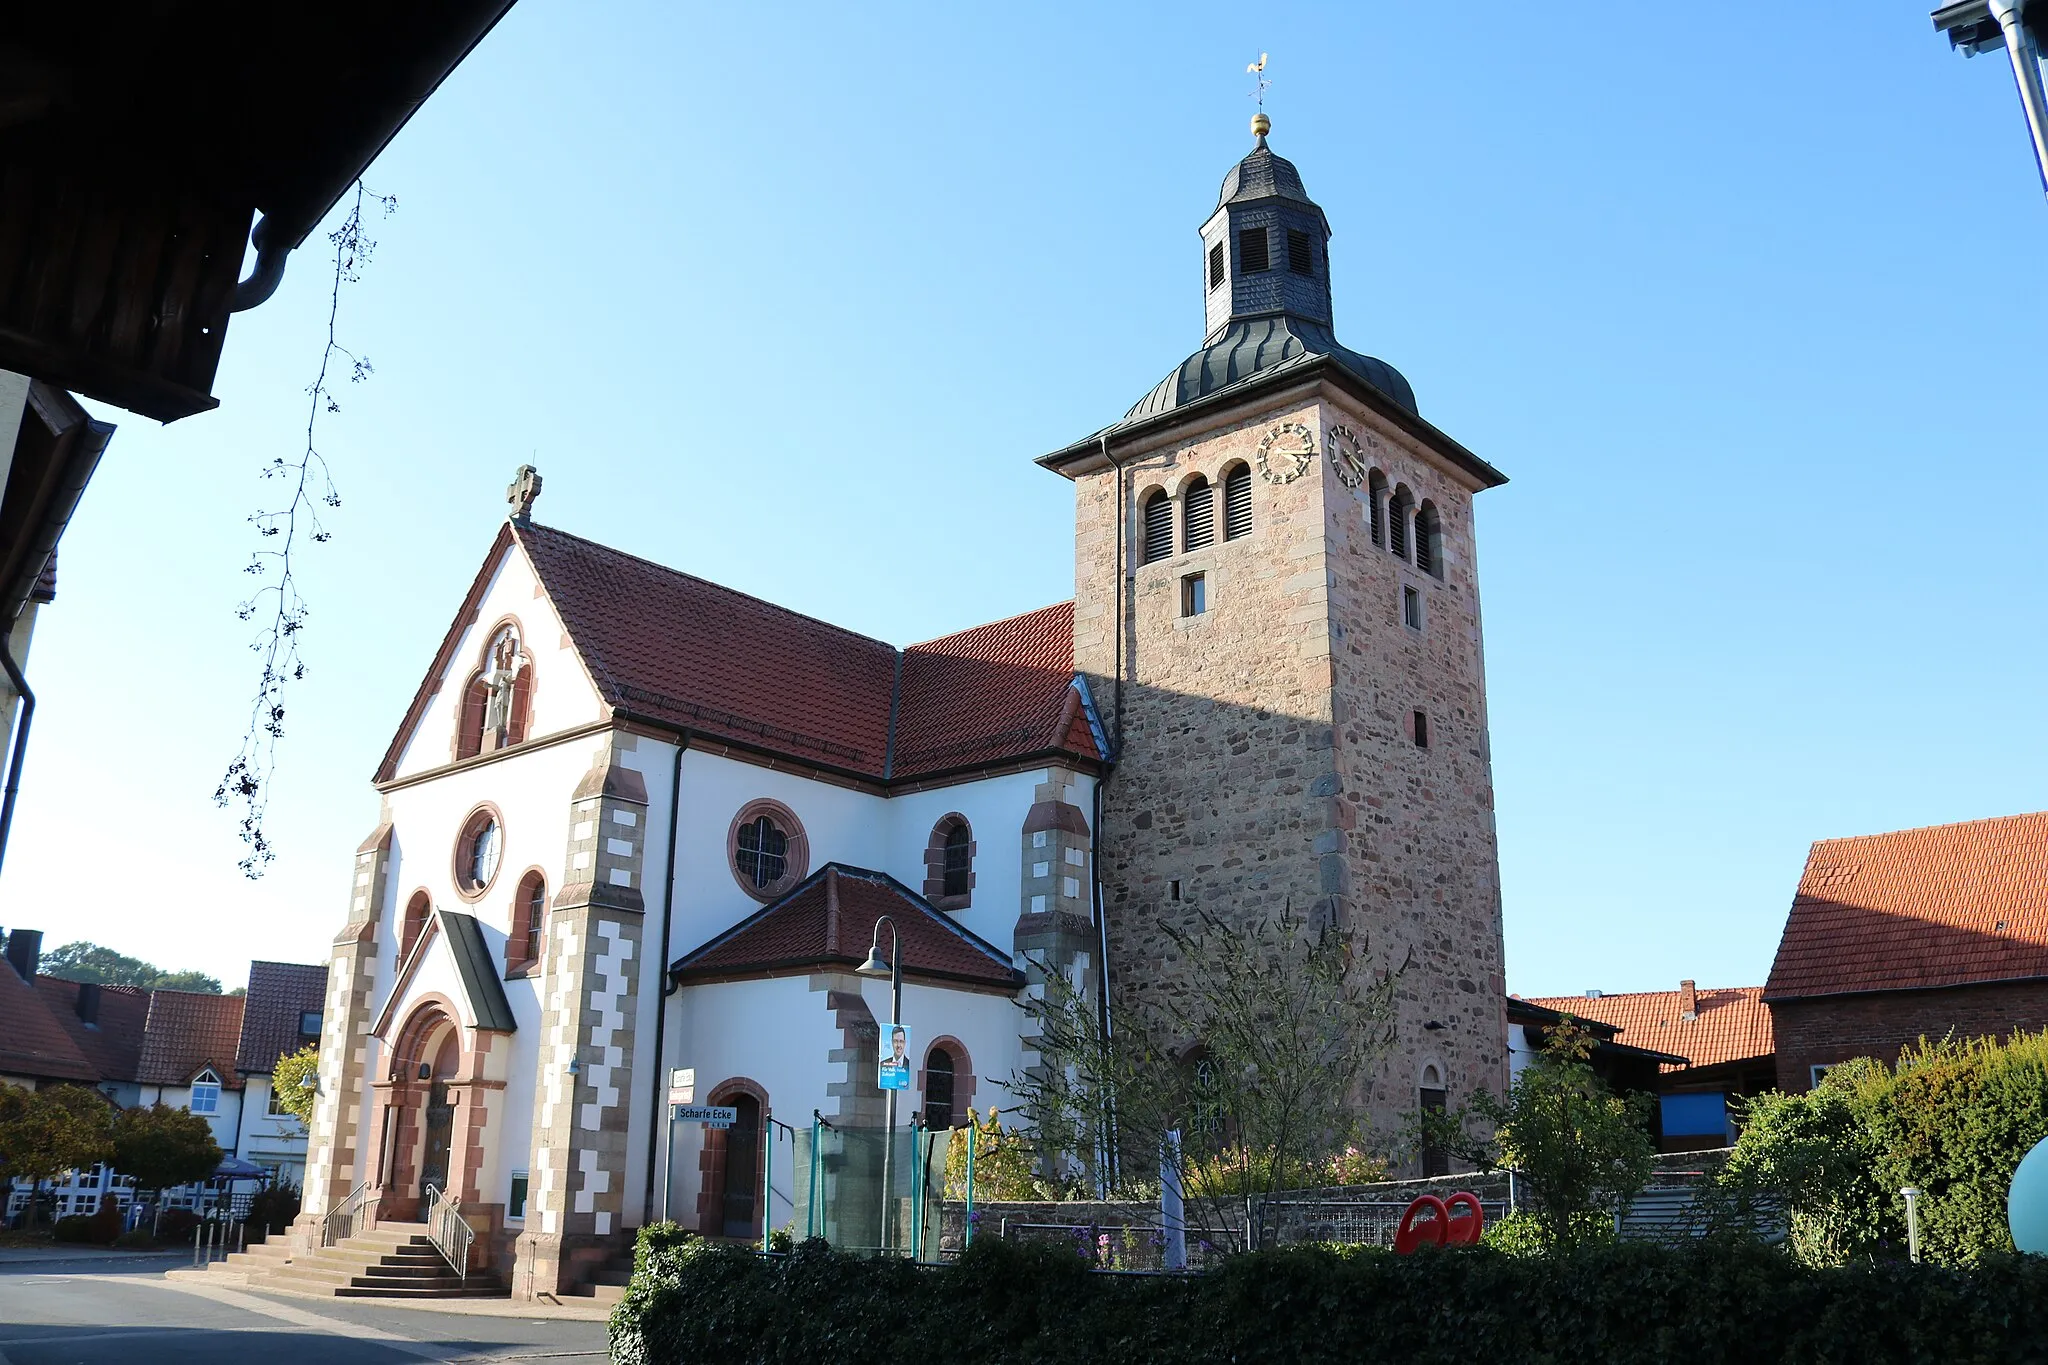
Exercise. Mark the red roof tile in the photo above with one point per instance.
(279, 994)
(113, 1042)
(1948, 905)
(187, 1031)
(667, 646)
(1732, 1024)
(33, 1042)
(828, 920)
(1016, 675)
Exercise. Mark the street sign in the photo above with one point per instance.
(710, 1115)
(682, 1085)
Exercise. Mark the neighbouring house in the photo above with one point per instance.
(281, 1014)
(636, 826)
(1920, 933)
(1625, 1067)
(1720, 1047)
(211, 1054)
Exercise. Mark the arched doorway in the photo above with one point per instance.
(938, 1088)
(742, 1183)
(439, 1116)
(425, 1118)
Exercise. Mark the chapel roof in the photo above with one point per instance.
(1946, 905)
(828, 920)
(187, 1031)
(672, 648)
(1729, 1024)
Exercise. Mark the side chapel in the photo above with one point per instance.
(634, 821)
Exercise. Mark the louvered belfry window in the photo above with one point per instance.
(1429, 542)
(1376, 503)
(1237, 503)
(1397, 523)
(1158, 528)
(1215, 265)
(1200, 503)
(1301, 256)
(1251, 250)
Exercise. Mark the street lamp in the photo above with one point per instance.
(1975, 26)
(1912, 1197)
(893, 969)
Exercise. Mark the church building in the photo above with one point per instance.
(635, 823)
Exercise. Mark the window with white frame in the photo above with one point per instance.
(205, 1093)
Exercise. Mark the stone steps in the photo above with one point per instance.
(394, 1261)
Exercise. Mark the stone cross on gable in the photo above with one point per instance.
(525, 488)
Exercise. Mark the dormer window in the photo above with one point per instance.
(206, 1092)
(1251, 250)
(1301, 255)
(1216, 265)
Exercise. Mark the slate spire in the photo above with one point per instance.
(1265, 250)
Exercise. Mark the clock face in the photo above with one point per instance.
(1347, 455)
(1286, 452)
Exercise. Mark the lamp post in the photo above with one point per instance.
(1912, 1197)
(1975, 26)
(893, 969)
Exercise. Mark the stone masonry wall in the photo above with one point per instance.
(1826, 1030)
(1262, 761)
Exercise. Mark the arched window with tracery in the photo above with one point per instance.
(1158, 524)
(479, 850)
(1198, 514)
(1398, 515)
(414, 922)
(529, 923)
(1237, 501)
(768, 850)
(1429, 540)
(949, 863)
(1376, 508)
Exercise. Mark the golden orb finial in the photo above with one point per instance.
(1261, 125)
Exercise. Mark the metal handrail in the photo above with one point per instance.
(340, 1223)
(450, 1233)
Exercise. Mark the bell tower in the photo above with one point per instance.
(1277, 606)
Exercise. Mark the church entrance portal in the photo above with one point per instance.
(440, 1133)
(742, 1167)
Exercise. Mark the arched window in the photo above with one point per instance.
(1237, 502)
(414, 923)
(476, 700)
(949, 863)
(1431, 1098)
(529, 920)
(497, 702)
(1158, 521)
(959, 860)
(1429, 541)
(768, 850)
(478, 851)
(1198, 514)
(1205, 1095)
(1397, 521)
(1376, 508)
(938, 1088)
(741, 1181)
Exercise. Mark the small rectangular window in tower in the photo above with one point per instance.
(1215, 265)
(1173, 890)
(1194, 594)
(1301, 257)
(1411, 608)
(1420, 729)
(1251, 250)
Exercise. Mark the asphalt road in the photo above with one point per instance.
(93, 1310)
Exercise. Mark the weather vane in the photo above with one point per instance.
(1258, 90)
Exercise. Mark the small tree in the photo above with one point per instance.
(1806, 1159)
(161, 1147)
(294, 1081)
(44, 1133)
(1584, 1151)
(1258, 1063)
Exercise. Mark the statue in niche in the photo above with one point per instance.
(505, 662)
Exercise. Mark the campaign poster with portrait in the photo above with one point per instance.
(895, 1073)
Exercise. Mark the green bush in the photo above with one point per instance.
(175, 1226)
(1953, 1119)
(271, 1210)
(1618, 1304)
(77, 1228)
(137, 1237)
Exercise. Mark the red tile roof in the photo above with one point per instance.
(1732, 1024)
(32, 1041)
(187, 1031)
(279, 994)
(113, 1042)
(828, 921)
(670, 647)
(1948, 905)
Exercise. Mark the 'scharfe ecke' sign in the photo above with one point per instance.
(717, 1115)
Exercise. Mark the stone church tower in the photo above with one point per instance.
(1277, 609)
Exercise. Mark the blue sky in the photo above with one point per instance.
(1747, 304)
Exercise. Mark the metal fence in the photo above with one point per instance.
(1349, 1222)
(866, 1192)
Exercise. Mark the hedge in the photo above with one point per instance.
(1705, 1304)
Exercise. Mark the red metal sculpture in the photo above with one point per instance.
(1442, 1227)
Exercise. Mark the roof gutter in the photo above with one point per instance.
(20, 750)
(669, 985)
